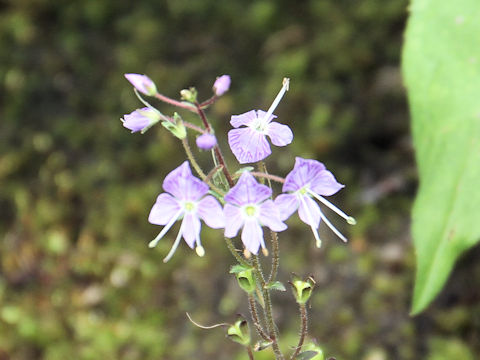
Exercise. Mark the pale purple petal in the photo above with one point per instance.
(142, 83)
(261, 114)
(233, 220)
(164, 209)
(324, 183)
(279, 134)
(191, 229)
(243, 119)
(183, 185)
(247, 191)
(248, 145)
(270, 216)
(210, 211)
(286, 204)
(252, 236)
(309, 211)
(206, 141)
(302, 174)
(136, 121)
(221, 85)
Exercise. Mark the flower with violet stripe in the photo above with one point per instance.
(310, 179)
(249, 207)
(185, 199)
(141, 119)
(142, 83)
(249, 143)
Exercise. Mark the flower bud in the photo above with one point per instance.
(239, 332)
(141, 119)
(302, 289)
(142, 83)
(189, 95)
(221, 85)
(206, 141)
(246, 280)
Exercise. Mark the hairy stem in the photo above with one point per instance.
(256, 320)
(268, 176)
(275, 256)
(234, 252)
(250, 353)
(272, 328)
(303, 330)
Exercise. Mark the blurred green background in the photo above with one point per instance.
(76, 277)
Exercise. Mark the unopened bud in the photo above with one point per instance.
(142, 83)
(239, 332)
(189, 95)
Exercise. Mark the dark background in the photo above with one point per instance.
(76, 277)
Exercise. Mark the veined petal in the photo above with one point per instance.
(261, 114)
(252, 236)
(309, 212)
(248, 145)
(302, 174)
(247, 191)
(280, 134)
(233, 220)
(270, 216)
(243, 119)
(164, 209)
(324, 183)
(286, 204)
(183, 185)
(191, 229)
(210, 211)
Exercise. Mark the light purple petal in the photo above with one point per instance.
(324, 183)
(183, 185)
(136, 121)
(164, 209)
(309, 212)
(191, 229)
(248, 145)
(211, 212)
(221, 85)
(206, 141)
(233, 220)
(243, 119)
(270, 216)
(261, 114)
(142, 83)
(302, 174)
(286, 204)
(280, 134)
(247, 191)
(252, 236)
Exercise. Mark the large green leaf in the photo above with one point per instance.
(441, 67)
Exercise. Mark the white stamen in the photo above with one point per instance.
(283, 90)
(200, 250)
(155, 241)
(333, 228)
(324, 201)
(318, 242)
(175, 244)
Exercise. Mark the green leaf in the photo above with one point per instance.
(306, 355)
(276, 285)
(235, 269)
(441, 67)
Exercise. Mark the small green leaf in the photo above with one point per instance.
(441, 67)
(306, 355)
(235, 269)
(277, 285)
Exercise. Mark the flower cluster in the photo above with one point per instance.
(248, 205)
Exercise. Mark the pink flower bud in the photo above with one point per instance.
(206, 141)
(221, 85)
(142, 83)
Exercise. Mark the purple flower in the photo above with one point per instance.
(206, 141)
(221, 85)
(249, 143)
(185, 200)
(249, 207)
(141, 119)
(142, 83)
(310, 178)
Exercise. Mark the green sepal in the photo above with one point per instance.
(240, 331)
(235, 269)
(246, 280)
(302, 288)
(176, 127)
(311, 352)
(189, 95)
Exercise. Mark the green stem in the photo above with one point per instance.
(275, 257)
(255, 318)
(272, 328)
(303, 330)
(234, 252)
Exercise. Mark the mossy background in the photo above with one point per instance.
(76, 277)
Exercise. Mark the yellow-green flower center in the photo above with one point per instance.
(250, 210)
(303, 191)
(189, 206)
